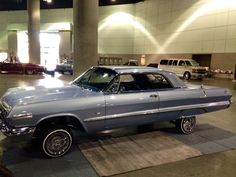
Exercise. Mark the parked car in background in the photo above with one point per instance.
(106, 97)
(20, 68)
(132, 63)
(154, 65)
(186, 68)
(65, 67)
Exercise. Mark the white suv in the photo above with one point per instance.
(186, 68)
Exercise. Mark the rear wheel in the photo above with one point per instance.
(186, 125)
(29, 71)
(187, 75)
(56, 142)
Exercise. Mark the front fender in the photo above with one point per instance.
(62, 115)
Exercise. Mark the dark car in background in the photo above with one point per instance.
(65, 67)
(20, 68)
(154, 65)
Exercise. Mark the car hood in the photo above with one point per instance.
(39, 94)
(200, 67)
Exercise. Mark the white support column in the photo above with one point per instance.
(33, 7)
(65, 48)
(85, 14)
(12, 42)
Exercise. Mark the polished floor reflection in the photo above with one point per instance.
(25, 160)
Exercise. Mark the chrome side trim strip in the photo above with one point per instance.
(161, 110)
(204, 105)
(23, 116)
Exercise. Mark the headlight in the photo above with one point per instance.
(231, 100)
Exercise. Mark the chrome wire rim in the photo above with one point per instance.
(188, 124)
(57, 143)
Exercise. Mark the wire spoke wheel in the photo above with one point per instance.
(186, 125)
(187, 76)
(57, 143)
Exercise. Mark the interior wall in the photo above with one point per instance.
(186, 26)
(115, 32)
(154, 28)
(224, 61)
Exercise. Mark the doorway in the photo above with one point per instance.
(203, 59)
(49, 47)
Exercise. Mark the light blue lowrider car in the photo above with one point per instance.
(106, 98)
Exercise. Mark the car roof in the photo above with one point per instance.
(133, 69)
(177, 59)
(143, 69)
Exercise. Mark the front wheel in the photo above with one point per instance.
(29, 71)
(56, 142)
(186, 125)
(187, 75)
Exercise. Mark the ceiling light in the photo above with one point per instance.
(48, 1)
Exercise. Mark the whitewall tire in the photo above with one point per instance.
(56, 142)
(186, 125)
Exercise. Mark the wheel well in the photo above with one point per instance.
(69, 121)
(187, 72)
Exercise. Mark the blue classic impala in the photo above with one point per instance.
(106, 97)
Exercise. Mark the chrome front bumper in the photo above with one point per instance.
(198, 75)
(17, 131)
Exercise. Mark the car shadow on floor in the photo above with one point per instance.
(24, 158)
(22, 148)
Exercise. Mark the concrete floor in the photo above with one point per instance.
(26, 161)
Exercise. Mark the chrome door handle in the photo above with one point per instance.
(153, 96)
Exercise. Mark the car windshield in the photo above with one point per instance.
(95, 79)
(194, 63)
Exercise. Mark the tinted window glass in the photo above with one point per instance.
(158, 81)
(175, 62)
(181, 63)
(188, 63)
(170, 62)
(143, 82)
(96, 79)
(164, 62)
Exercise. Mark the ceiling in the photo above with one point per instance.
(6, 5)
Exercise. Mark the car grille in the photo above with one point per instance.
(201, 71)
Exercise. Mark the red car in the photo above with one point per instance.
(21, 68)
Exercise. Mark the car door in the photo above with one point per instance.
(129, 103)
(18, 67)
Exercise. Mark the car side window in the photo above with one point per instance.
(128, 83)
(181, 63)
(164, 62)
(158, 81)
(175, 62)
(135, 82)
(188, 63)
(114, 85)
(170, 62)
